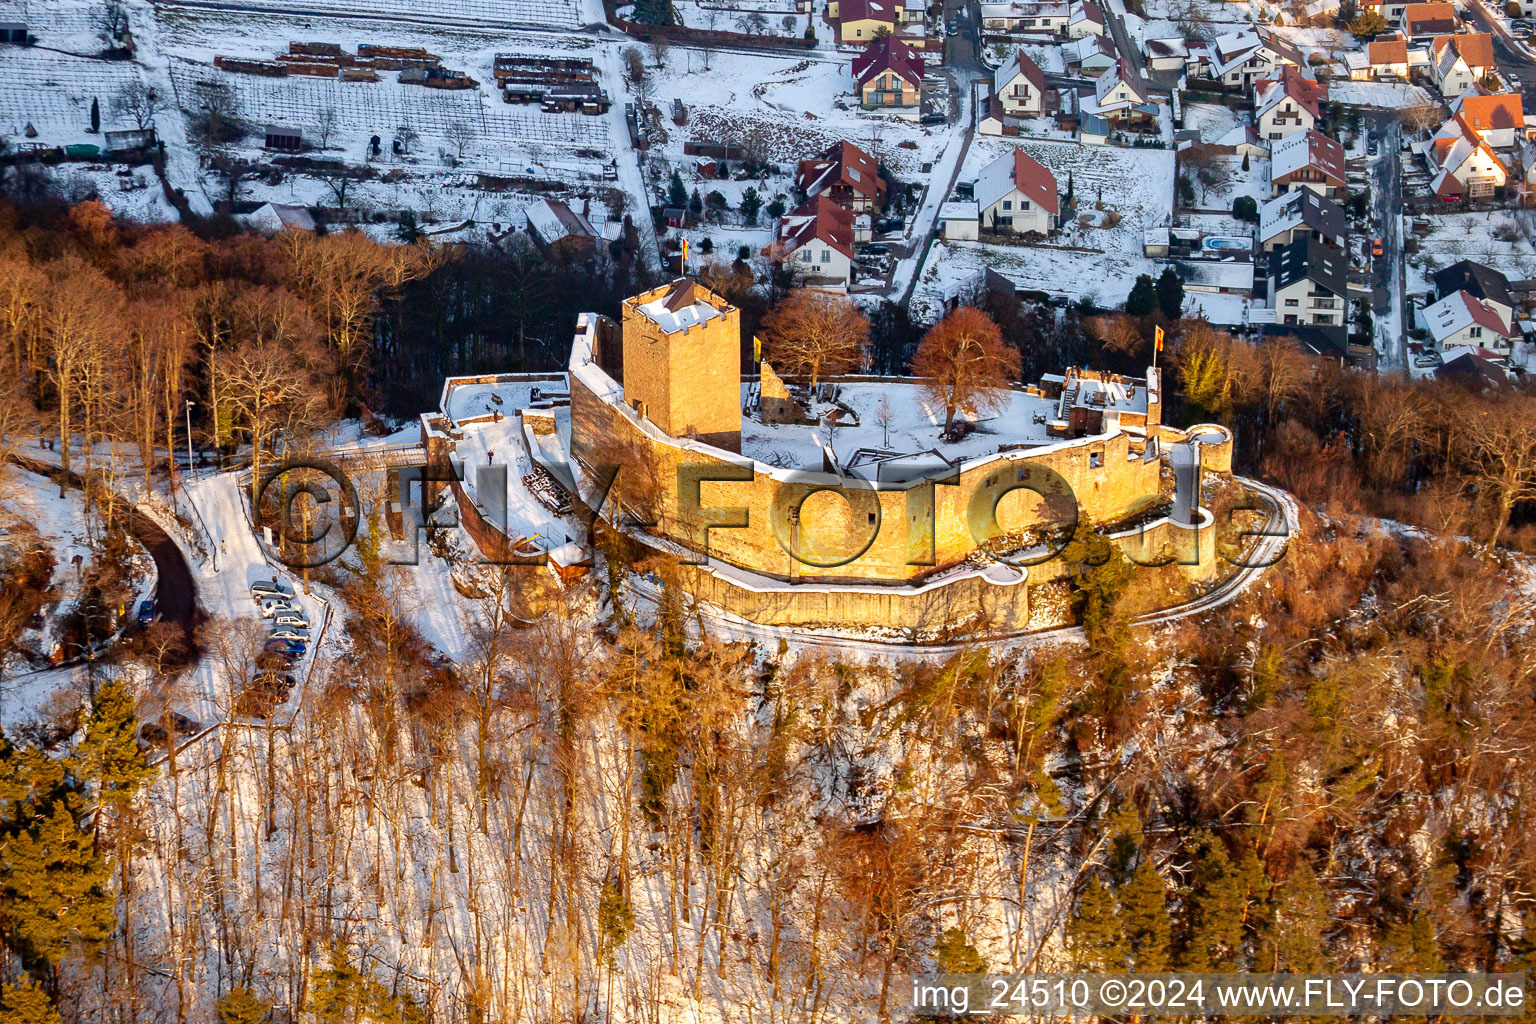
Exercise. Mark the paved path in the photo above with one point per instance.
(1386, 213)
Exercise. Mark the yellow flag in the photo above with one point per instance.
(757, 349)
(1159, 331)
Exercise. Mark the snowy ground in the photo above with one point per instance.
(1393, 95)
(1097, 262)
(1500, 239)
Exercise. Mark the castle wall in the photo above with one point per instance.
(689, 381)
(890, 536)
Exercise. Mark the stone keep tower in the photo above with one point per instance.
(682, 362)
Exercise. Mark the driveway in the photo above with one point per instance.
(1386, 169)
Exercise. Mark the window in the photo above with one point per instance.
(1292, 302)
(1323, 318)
(826, 255)
(1023, 204)
(1476, 332)
(805, 255)
(1095, 460)
(871, 519)
(1007, 204)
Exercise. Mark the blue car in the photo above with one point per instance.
(147, 613)
(287, 648)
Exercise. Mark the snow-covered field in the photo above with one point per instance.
(1500, 239)
(1393, 95)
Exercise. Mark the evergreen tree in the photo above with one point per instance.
(1069, 188)
(654, 12)
(340, 994)
(1170, 293)
(1301, 918)
(110, 755)
(695, 203)
(677, 192)
(615, 918)
(54, 888)
(1410, 946)
(751, 203)
(952, 954)
(1217, 908)
(1093, 934)
(1124, 827)
(239, 1006)
(1143, 298)
(26, 1003)
(776, 209)
(95, 115)
(1144, 919)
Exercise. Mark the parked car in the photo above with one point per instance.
(290, 619)
(290, 634)
(154, 731)
(147, 612)
(1371, 147)
(270, 588)
(279, 606)
(291, 649)
(1376, 247)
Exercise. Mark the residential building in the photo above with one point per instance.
(859, 21)
(1388, 58)
(847, 174)
(1242, 58)
(1462, 320)
(1422, 21)
(555, 227)
(1025, 17)
(1017, 193)
(1019, 86)
(889, 73)
(1309, 160)
(1497, 118)
(1165, 54)
(1120, 96)
(1465, 166)
(1089, 56)
(1086, 19)
(1308, 284)
(1459, 62)
(816, 242)
(1479, 281)
(271, 218)
(1288, 103)
(1301, 214)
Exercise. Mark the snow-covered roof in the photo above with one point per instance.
(1234, 275)
(1236, 48)
(1476, 48)
(1079, 50)
(1310, 148)
(842, 164)
(888, 53)
(686, 304)
(1020, 64)
(1017, 170)
(552, 221)
(959, 210)
(1460, 310)
(820, 219)
(1175, 47)
(1301, 207)
(1289, 84)
(275, 217)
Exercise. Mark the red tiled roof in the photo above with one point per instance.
(888, 53)
(1476, 48)
(1484, 315)
(1420, 18)
(1036, 181)
(818, 218)
(1388, 51)
(844, 164)
(1485, 113)
(1308, 92)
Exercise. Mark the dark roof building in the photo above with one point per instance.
(1477, 280)
(1310, 260)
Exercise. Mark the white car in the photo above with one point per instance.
(270, 588)
(288, 634)
(279, 606)
(290, 619)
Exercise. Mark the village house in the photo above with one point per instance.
(1462, 320)
(1481, 282)
(1019, 86)
(556, 228)
(1384, 58)
(888, 74)
(1016, 193)
(1165, 54)
(1464, 165)
(849, 176)
(1422, 21)
(1308, 160)
(1301, 214)
(1308, 284)
(1025, 17)
(1498, 119)
(1089, 56)
(1288, 103)
(816, 243)
(1120, 97)
(1242, 58)
(1086, 19)
(859, 21)
(272, 218)
(1459, 62)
